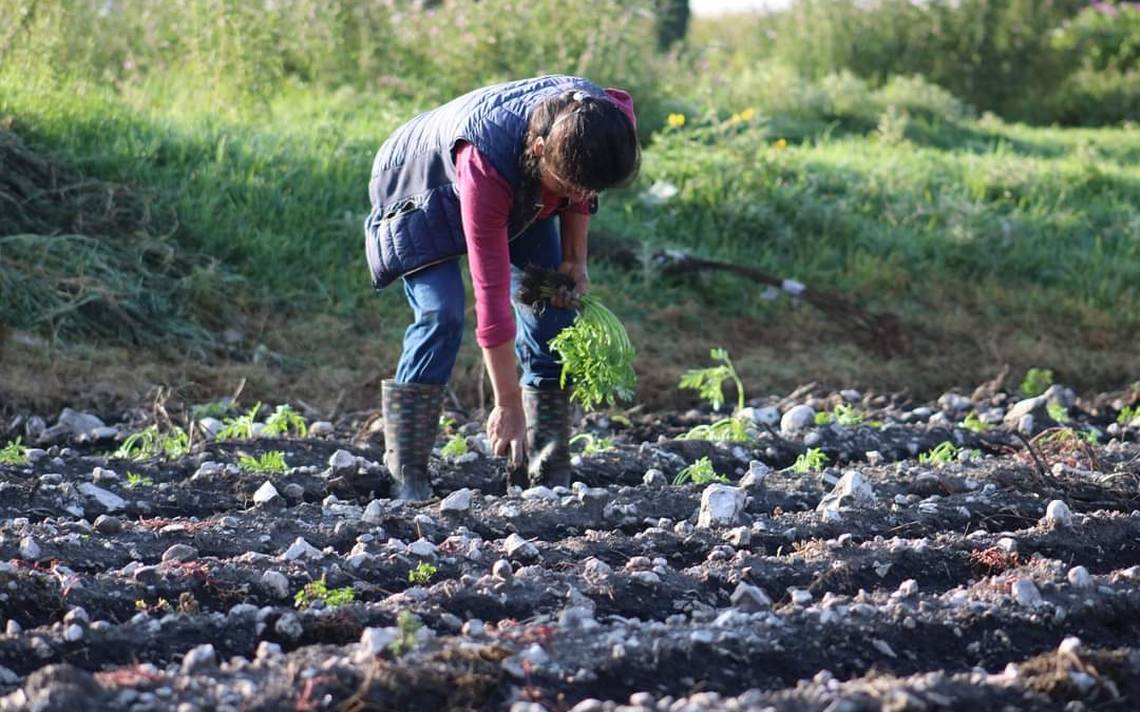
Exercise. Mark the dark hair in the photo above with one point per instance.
(589, 141)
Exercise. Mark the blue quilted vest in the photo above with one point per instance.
(415, 220)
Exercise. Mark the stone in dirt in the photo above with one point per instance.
(179, 553)
(750, 598)
(198, 659)
(275, 584)
(721, 506)
(1036, 407)
(1057, 514)
(107, 500)
(1026, 594)
(29, 549)
(655, 478)
(501, 570)
(1079, 577)
(753, 480)
(769, 415)
(457, 501)
(374, 512)
(343, 463)
(321, 428)
(266, 493)
(852, 490)
(518, 547)
(301, 548)
(375, 641)
(797, 419)
(74, 423)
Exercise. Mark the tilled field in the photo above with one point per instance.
(1006, 576)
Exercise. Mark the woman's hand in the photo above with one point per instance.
(565, 299)
(506, 429)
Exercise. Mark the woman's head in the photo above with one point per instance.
(581, 144)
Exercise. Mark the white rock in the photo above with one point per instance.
(320, 429)
(267, 650)
(539, 492)
(800, 597)
(289, 626)
(1079, 577)
(852, 490)
(375, 641)
(797, 419)
(108, 500)
(275, 584)
(78, 423)
(655, 478)
(501, 570)
(199, 658)
(179, 553)
(7, 677)
(210, 427)
(518, 547)
(102, 474)
(750, 598)
(73, 633)
(721, 506)
(1034, 407)
(301, 548)
(373, 513)
(29, 549)
(457, 501)
(13, 628)
(1057, 514)
(422, 548)
(753, 480)
(1026, 594)
(954, 402)
(265, 493)
(343, 462)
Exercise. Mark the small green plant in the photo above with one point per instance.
(709, 382)
(1091, 437)
(272, 461)
(319, 591)
(241, 427)
(823, 418)
(700, 472)
(149, 442)
(134, 480)
(975, 424)
(408, 625)
(1126, 415)
(811, 461)
(284, 420)
(422, 574)
(592, 443)
(847, 416)
(940, 454)
(1037, 381)
(732, 429)
(1058, 412)
(14, 453)
(446, 423)
(455, 447)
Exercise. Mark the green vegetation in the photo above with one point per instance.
(422, 574)
(975, 424)
(283, 421)
(941, 454)
(592, 444)
(709, 382)
(408, 624)
(811, 461)
(150, 442)
(14, 453)
(319, 591)
(732, 429)
(822, 418)
(1036, 382)
(135, 480)
(456, 446)
(1126, 415)
(272, 461)
(195, 167)
(847, 415)
(1058, 412)
(596, 356)
(700, 472)
(241, 427)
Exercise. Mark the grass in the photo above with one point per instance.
(941, 454)
(267, 462)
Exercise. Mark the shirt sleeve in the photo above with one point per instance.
(485, 199)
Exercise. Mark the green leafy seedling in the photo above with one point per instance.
(241, 427)
(408, 625)
(134, 480)
(1126, 415)
(284, 420)
(1037, 381)
(592, 444)
(700, 472)
(975, 424)
(149, 442)
(1057, 412)
(941, 454)
(14, 453)
(422, 574)
(823, 418)
(271, 462)
(847, 416)
(319, 591)
(732, 429)
(456, 446)
(709, 382)
(811, 461)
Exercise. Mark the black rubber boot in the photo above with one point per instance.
(547, 436)
(411, 421)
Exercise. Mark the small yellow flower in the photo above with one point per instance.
(747, 115)
(780, 144)
(676, 121)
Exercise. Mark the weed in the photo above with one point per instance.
(241, 427)
(940, 454)
(455, 447)
(592, 443)
(1037, 381)
(319, 591)
(446, 423)
(811, 461)
(733, 429)
(422, 574)
(709, 382)
(285, 420)
(700, 472)
(1058, 412)
(847, 415)
(149, 442)
(272, 462)
(409, 625)
(14, 453)
(135, 480)
(975, 424)
(1126, 415)
(822, 418)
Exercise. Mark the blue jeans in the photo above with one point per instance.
(438, 302)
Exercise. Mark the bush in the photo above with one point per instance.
(1091, 98)
(1102, 37)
